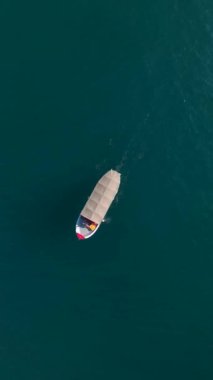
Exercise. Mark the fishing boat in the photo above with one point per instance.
(97, 205)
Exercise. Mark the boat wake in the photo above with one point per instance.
(107, 220)
(133, 146)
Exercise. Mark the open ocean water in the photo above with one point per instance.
(85, 87)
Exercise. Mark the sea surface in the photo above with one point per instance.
(86, 86)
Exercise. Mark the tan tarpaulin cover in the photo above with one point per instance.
(102, 196)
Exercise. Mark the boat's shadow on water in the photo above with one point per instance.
(52, 213)
(47, 223)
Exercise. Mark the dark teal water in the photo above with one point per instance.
(86, 86)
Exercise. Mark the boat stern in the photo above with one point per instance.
(85, 228)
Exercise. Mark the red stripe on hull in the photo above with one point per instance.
(79, 236)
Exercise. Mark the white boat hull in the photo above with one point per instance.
(95, 209)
